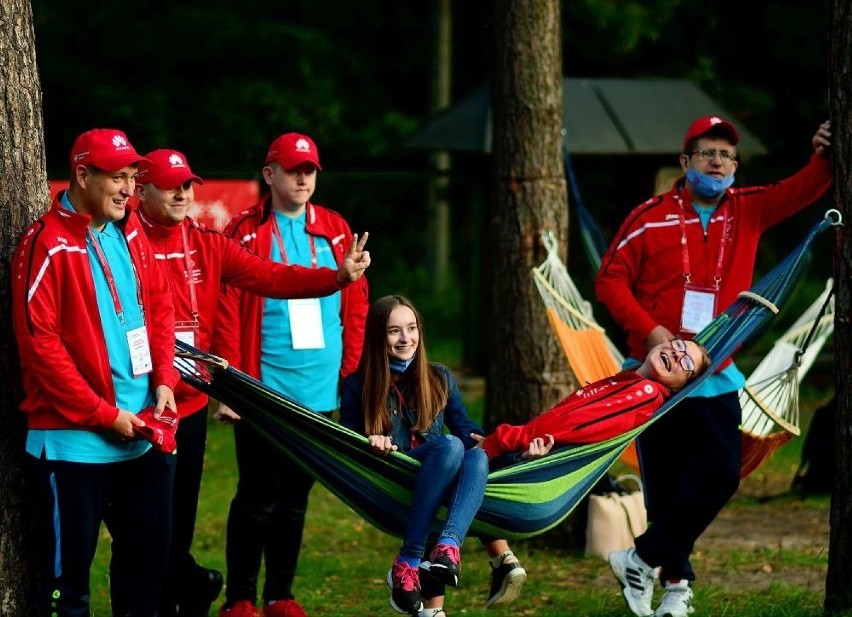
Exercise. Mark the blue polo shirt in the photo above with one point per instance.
(309, 376)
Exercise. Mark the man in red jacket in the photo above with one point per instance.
(301, 348)
(198, 261)
(94, 323)
(678, 260)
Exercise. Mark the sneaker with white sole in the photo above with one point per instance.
(432, 612)
(404, 581)
(506, 582)
(636, 579)
(677, 600)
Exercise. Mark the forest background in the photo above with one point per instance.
(219, 80)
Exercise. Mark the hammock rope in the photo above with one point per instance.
(522, 500)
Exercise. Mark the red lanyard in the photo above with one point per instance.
(726, 229)
(277, 233)
(190, 276)
(110, 279)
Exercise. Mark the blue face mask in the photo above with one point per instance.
(399, 366)
(708, 187)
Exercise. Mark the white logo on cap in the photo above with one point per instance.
(175, 160)
(119, 142)
(715, 120)
(302, 145)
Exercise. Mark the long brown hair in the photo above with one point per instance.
(428, 390)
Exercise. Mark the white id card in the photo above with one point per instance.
(185, 336)
(306, 323)
(140, 352)
(699, 306)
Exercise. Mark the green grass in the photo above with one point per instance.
(344, 560)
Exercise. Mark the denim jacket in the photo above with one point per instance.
(453, 417)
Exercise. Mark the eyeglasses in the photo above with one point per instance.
(710, 155)
(686, 362)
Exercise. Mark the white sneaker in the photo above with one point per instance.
(636, 579)
(431, 612)
(677, 600)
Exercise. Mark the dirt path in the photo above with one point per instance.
(781, 539)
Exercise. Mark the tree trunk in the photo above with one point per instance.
(838, 592)
(526, 370)
(23, 197)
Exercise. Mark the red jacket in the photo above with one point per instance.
(641, 276)
(595, 412)
(218, 260)
(237, 336)
(66, 370)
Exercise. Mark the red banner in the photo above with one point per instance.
(216, 201)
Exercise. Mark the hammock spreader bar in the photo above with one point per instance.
(522, 500)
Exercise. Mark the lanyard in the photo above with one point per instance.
(277, 233)
(190, 277)
(110, 279)
(726, 232)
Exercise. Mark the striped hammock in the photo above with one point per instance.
(770, 402)
(522, 500)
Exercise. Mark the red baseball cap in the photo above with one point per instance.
(159, 431)
(167, 169)
(291, 150)
(711, 123)
(106, 149)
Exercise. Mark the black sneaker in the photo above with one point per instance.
(199, 592)
(404, 581)
(444, 564)
(506, 582)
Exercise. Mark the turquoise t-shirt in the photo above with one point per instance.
(309, 376)
(132, 393)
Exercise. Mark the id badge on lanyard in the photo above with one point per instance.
(699, 308)
(140, 352)
(306, 323)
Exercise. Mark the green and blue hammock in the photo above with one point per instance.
(521, 500)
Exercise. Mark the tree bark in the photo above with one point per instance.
(23, 197)
(838, 592)
(526, 370)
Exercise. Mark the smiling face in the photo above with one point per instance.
(403, 335)
(101, 194)
(668, 366)
(167, 207)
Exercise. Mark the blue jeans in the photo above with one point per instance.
(448, 475)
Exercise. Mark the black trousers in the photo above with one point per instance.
(690, 461)
(191, 441)
(266, 519)
(133, 498)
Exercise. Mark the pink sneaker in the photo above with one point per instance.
(242, 608)
(444, 564)
(283, 608)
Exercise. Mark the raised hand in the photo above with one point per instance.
(356, 261)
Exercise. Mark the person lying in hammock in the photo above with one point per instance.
(401, 401)
(605, 408)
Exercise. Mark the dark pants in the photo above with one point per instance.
(191, 441)
(690, 462)
(266, 519)
(133, 498)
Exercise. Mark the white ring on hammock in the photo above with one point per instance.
(759, 300)
(835, 214)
